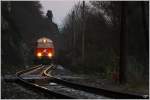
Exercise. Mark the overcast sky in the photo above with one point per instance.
(59, 8)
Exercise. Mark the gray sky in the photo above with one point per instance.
(59, 8)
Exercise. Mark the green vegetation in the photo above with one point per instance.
(102, 39)
(22, 24)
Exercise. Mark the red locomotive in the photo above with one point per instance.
(44, 51)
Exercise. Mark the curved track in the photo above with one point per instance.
(34, 86)
(44, 72)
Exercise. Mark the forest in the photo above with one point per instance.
(106, 37)
(22, 24)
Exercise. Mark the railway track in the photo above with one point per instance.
(36, 87)
(49, 84)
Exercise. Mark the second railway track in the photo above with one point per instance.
(40, 78)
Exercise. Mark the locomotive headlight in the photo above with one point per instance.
(50, 55)
(44, 41)
(39, 54)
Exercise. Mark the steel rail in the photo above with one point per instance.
(99, 91)
(27, 70)
(37, 87)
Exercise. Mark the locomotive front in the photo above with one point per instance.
(44, 51)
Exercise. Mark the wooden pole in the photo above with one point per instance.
(73, 29)
(83, 29)
(74, 35)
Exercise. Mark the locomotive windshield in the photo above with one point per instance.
(45, 45)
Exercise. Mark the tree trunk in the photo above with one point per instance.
(145, 21)
(145, 24)
(123, 45)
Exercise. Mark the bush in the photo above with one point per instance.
(134, 70)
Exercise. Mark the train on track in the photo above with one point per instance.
(44, 51)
